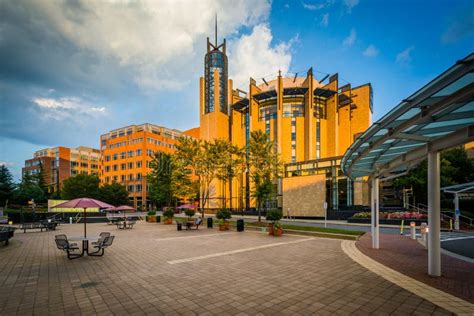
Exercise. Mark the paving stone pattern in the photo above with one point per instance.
(135, 276)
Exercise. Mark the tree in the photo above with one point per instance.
(114, 193)
(39, 178)
(159, 179)
(264, 167)
(455, 167)
(82, 185)
(28, 190)
(182, 185)
(7, 186)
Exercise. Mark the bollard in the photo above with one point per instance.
(424, 231)
(450, 225)
(70, 220)
(240, 225)
(401, 226)
(209, 222)
(413, 230)
(179, 226)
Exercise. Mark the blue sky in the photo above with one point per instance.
(70, 71)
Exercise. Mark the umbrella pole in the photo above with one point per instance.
(85, 222)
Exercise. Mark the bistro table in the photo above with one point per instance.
(85, 241)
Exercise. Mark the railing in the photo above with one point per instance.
(468, 220)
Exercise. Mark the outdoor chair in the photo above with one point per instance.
(101, 246)
(63, 244)
(120, 224)
(131, 223)
(102, 237)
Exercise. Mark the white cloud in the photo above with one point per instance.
(68, 108)
(150, 36)
(313, 7)
(254, 56)
(350, 4)
(350, 40)
(371, 51)
(325, 20)
(404, 57)
(7, 163)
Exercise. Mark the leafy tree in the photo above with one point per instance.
(114, 193)
(39, 178)
(182, 185)
(159, 179)
(7, 186)
(81, 185)
(28, 190)
(455, 167)
(264, 167)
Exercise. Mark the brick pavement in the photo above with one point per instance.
(135, 276)
(410, 258)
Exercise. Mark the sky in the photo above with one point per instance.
(73, 70)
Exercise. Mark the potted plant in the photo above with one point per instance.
(189, 213)
(151, 217)
(168, 215)
(223, 215)
(274, 228)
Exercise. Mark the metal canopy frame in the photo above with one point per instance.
(438, 116)
(459, 188)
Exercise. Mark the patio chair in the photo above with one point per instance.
(63, 244)
(120, 224)
(101, 239)
(101, 247)
(131, 223)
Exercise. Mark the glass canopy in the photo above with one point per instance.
(438, 116)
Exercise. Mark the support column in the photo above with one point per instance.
(434, 215)
(456, 211)
(375, 213)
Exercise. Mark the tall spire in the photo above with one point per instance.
(216, 29)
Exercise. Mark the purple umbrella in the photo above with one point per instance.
(186, 206)
(84, 203)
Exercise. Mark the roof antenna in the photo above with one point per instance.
(216, 29)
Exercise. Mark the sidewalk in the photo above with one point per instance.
(408, 257)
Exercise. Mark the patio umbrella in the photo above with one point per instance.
(186, 206)
(84, 203)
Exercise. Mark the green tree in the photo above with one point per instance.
(39, 178)
(264, 167)
(82, 185)
(114, 193)
(28, 190)
(7, 186)
(182, 185)
(455, 167)
(159, 180)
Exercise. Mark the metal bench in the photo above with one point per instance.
(63, 244)
(190, 224)
(26, 226)
(107, 242)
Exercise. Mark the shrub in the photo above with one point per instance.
(151, 213)
(168, 213)
(223, 214)
(189, 212)
(274, 215)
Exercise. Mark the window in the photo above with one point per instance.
(138, 188)
(115, 167)
(130, 188)
(107, 169)
(123, 166)
(84, 164)
(115, 157)
(123, 178)
(115, 178)
(139, 164)
(123, 155)
(139, 176)
(130, 153)
(130, 165)
(130, 177)
(107, 179)
(149, 152)
(139, 152)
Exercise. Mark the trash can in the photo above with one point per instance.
(179, 225)
(240, 225)
(209, 222)
(158, 218)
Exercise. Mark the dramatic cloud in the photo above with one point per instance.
(324, 20)
(371, 51)
(350, 40)
(265, 60)
(404, 57)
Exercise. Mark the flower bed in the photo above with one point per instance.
(393, 218)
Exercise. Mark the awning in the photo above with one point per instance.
(438, 116)
(265, 95)
(241, 104)
(325, 93)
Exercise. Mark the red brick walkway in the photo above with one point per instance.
(407, 256)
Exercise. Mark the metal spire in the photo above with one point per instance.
(216, 29)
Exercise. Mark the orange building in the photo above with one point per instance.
(60, 163)
(309, 118)
(126, 153)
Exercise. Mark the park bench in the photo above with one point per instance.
(105, 243)
(6, 233)
(26, 226)
(190, 224)
(63, 244)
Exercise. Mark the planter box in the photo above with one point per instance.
(387, 221)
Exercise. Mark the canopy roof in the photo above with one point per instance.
(438, 116)
(460, 188)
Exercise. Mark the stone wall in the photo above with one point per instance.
(305, 196)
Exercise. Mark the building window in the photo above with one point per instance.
(115, 178)
(130, 188)
(123, 155)
(123, 178)
(115, 157)
(139, 152)
(130, 165)
(139, 176)
(123, 166)
(115, 167)
(138, 188)
(107, 179)
(139, 164)
(107, 158)
(130, 153)
(130, 177)
(107, 169)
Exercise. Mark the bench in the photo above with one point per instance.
(101, 245)
(40, 226)
(6, 233)
(195, 223)
(63, 244)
